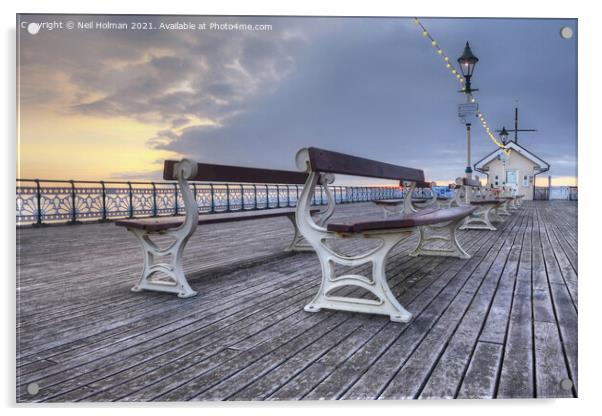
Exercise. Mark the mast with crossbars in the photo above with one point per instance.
(516, 129)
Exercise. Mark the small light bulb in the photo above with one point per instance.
(454, 71)
(448, 66)
(446, 59)
(439, 51)
(472, 100)
(425, 33)
(434, 43)
(416, 21)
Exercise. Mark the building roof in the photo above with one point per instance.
(539, 162)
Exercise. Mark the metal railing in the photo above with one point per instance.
(545, 193)
(41, 201)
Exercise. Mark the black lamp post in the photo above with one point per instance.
(467, 63)
(504, 135)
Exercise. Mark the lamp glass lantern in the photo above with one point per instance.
(467, 62)
(504, 135)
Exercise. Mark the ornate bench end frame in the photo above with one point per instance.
(316, 235)
(173, 252)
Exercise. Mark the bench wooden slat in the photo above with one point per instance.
(333, 162)
(414, 200)
(426, 217)
(237, 174)
(165, 223)
(487, 202)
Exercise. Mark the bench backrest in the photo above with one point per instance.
(222, 173)
(326, 161)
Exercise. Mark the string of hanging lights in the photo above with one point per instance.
(457, 74)
(440, 52)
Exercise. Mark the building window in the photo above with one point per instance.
(512, 177)
(527, 180)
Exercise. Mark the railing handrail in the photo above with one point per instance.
(100, 182)
(72, 201)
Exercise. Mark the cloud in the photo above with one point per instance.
(372, 87)
(166, 78)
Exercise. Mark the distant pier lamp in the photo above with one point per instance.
(467, 64)
(504, 135)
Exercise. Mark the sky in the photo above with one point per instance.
(113, 104)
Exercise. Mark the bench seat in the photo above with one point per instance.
(487, 202)
(165, 223)
(430, 216)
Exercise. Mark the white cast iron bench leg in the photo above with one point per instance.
(173, 253)
(449, 229)
(451, 237)
(450, 234)
(503, 209)
(385, 302)
(299, 243)
(481, 218)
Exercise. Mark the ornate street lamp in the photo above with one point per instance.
(504, 135)
(467, 63)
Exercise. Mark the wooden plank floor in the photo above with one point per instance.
(502, 324)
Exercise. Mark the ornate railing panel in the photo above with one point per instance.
(41, 201)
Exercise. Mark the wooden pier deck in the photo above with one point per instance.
(502, 324)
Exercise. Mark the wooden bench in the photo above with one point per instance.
(469, 192)
(511, 200)
(409, 203)
(514, 199)
(322, 165)
(507, 201)
(168, 260)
